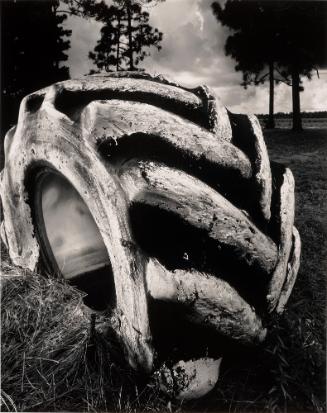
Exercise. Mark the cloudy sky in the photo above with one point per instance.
(193, 54)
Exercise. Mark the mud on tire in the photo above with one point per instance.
(188, 205)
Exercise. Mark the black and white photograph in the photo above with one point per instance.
(163, 206)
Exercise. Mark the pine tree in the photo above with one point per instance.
(254, 43)
(125, 37)
(302, 26)
(33, 45)
(285, 38)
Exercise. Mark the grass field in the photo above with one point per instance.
(53, 359)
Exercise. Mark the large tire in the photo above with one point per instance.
(148, 156)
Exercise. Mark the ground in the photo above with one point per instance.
(287, 374)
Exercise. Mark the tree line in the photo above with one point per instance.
(271, 41)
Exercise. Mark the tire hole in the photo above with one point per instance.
(71, 241)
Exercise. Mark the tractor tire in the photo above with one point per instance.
(190, 211)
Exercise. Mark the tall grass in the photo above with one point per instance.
(55, 355)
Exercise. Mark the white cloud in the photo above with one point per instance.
(192, 54)
(85, 33)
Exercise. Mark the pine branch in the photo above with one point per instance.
(287, 82)
(261, 79)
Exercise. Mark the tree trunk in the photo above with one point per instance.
(271, 120)
(130, 39)
(118, 43)
(297, 121)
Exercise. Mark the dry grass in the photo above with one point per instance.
(289, 373)
(56, 356)
(53, 359)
